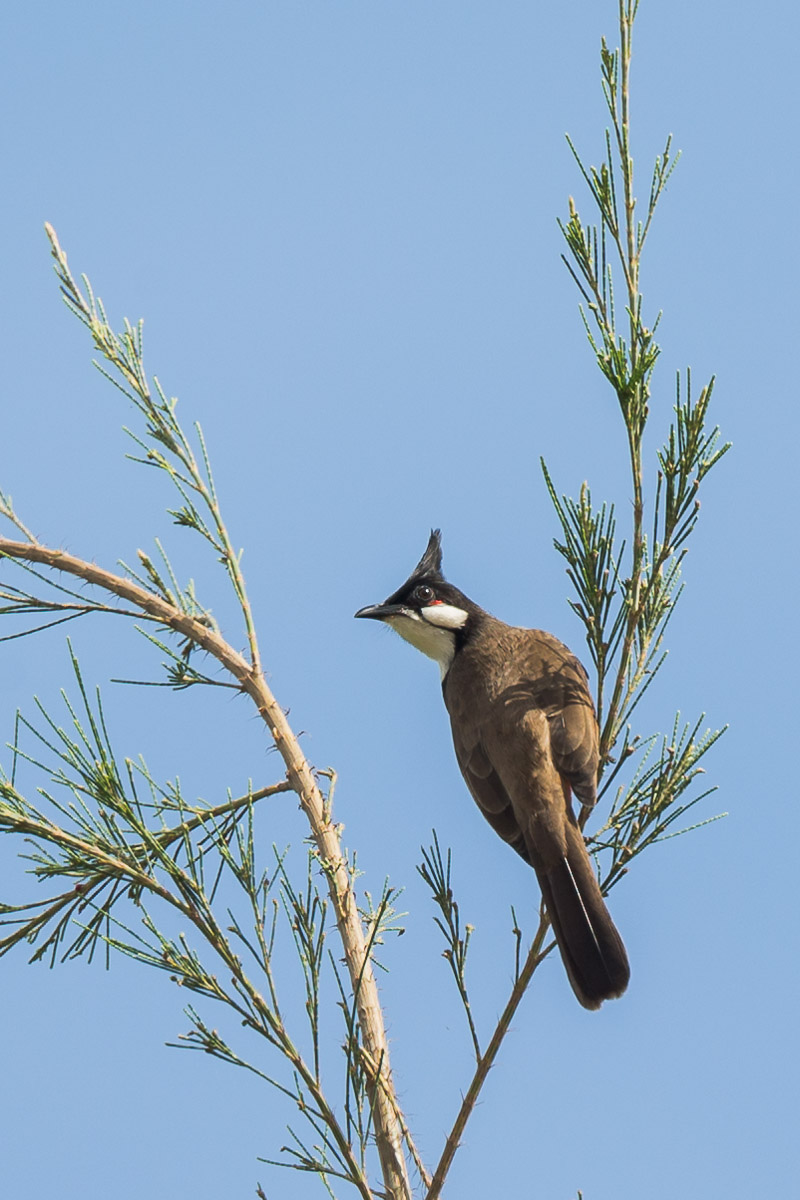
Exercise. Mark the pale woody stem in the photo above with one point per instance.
(388, 1130)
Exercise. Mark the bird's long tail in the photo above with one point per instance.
(592, 950)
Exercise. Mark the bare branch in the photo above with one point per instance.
(535, 955)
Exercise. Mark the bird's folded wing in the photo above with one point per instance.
(556, 682)
(489, 794)
(574, 742)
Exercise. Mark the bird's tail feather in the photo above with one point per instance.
(593, 953)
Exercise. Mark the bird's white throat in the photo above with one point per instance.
(432, 632)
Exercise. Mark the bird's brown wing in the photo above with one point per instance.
(488, 793)
(574, 743)
(556, 682)
(525, 735)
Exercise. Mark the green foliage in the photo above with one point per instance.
(626, 591)
(119, 835)
(436, 873)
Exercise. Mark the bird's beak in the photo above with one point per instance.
(379, 612)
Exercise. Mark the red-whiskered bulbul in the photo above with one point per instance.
(526, 738)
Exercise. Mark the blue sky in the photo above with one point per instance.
(339, 223)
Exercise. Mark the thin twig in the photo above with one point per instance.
(202, 815)
(535, 955)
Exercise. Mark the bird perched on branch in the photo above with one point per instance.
(526, 737)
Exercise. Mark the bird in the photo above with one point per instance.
(526, 739)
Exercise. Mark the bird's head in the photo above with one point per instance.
(428, 611)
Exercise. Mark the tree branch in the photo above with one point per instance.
(389, 1136)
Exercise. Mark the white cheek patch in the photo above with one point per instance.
(446, 616)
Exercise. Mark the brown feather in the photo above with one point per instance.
(525, 736)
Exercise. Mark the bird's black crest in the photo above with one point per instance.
(431, 562)
(428, 569)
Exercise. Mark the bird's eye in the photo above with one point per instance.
(424, 593)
